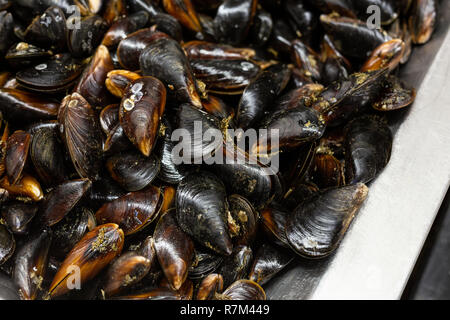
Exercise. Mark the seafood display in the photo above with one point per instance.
(100, 199)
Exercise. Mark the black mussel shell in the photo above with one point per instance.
(261, 29)
(273, 220)
(204, 263)
(132, 170)
(8, 289)
(368, 146)
(47, 155)
(225, 76)
(183, 11)
(120, 29)
(282, 36)
(18, 215)
(48, 30)
(388, 9)
(17, 147)
(201, 211)
(104, 190)
(149, 6)
(133, 211)
(260, 95)
(394, 95)
(209, 31)
(174, 249)
(423, 20)
(61, 200)
(219, 109)
(7, 31)
(83, 41)
(109, 117)
(54, 75)
(317, 226)
(236, 266)
(7, 244)
(167, 24)
(233, 20)
(268, 261)
(306, 60)
(244, 290)
(163, 292)
(30, 265)
(242, 221)
(141, 109)
(69, 231)
(82, 135)
(210, 286)
(24, 54)
(202, 50)
(116, 141)
(302, 19)
(327, 170)
(165, 59)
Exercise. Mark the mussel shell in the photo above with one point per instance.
(219, 109)
(260, 94)
(8, 289)
(83, 41)
(54, 75)
(174, 249)
(244, 290)
(47, 155)
(388, 54)
(394, 95)
(132, 170)
(115, 9)
(282, 36)
(209, 286)
(183, 11)
(388, 9)
(131, 47)
(109, 117)
(120, 29)
(244, 219)
(225, 76)
(18, 215)
(327, 171)
(48, 30)
(140, 111)
(27, 187)
(91, 254)
(164, 293)
(24, 54)
(148, 6)
(269, 260)
(61, 200)
(7, 31)
(116, 141)
(236, 266)
(133, 211)
(165, 59)
(306, 59)
(422, 20)
(104, 190)
(167, 24)
(317, 226)
(118, 80)
(17, 147)
(82, 135)
(92, 82)
(233, 20)
(130, 268)
(368, 148)
(69, 231)
(301, 96)
(204, 263)
(203, 50)
(261, 28)
(201, 211)
(302, 19)
(30, 264)
(7, 244)
(16, 104)
(273, 220)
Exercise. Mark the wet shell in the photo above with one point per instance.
(7, 244)
(17, 147)
(244, 290)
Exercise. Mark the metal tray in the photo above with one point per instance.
(379, 251)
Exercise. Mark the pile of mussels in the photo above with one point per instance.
(93, 205)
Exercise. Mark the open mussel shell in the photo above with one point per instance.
(242, 220)
(202, 50)
(30, 265)
(47, 155)
(243, 290)
(367, 148)
(388, 54)
(18, 216)
(83, 40)
(82, 135)
(69, 231)
(132, 170)
(260, 94)
(133, 211)
(140, 112)
(394, 95)
(345, 31)
(130, 268)
(7, 244)
(183, 11)
(27, 187)
(8, 289)
(118, 80)
(91, 255)
(317, 226)
(204, 263)
(210, 286)
(24, 54)
(233, 20)
(54, 75)
(131, 47)
(235, 267)
(269, 260)
(121, 28)
(48, 30)
(201, 211)
(422, 20)
(17, 104)
(225, 76)
(17, 147)
(165, 59)
(58, 203)
(174, 249)
(91, 84)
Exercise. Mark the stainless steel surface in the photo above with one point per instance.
(379, 252)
